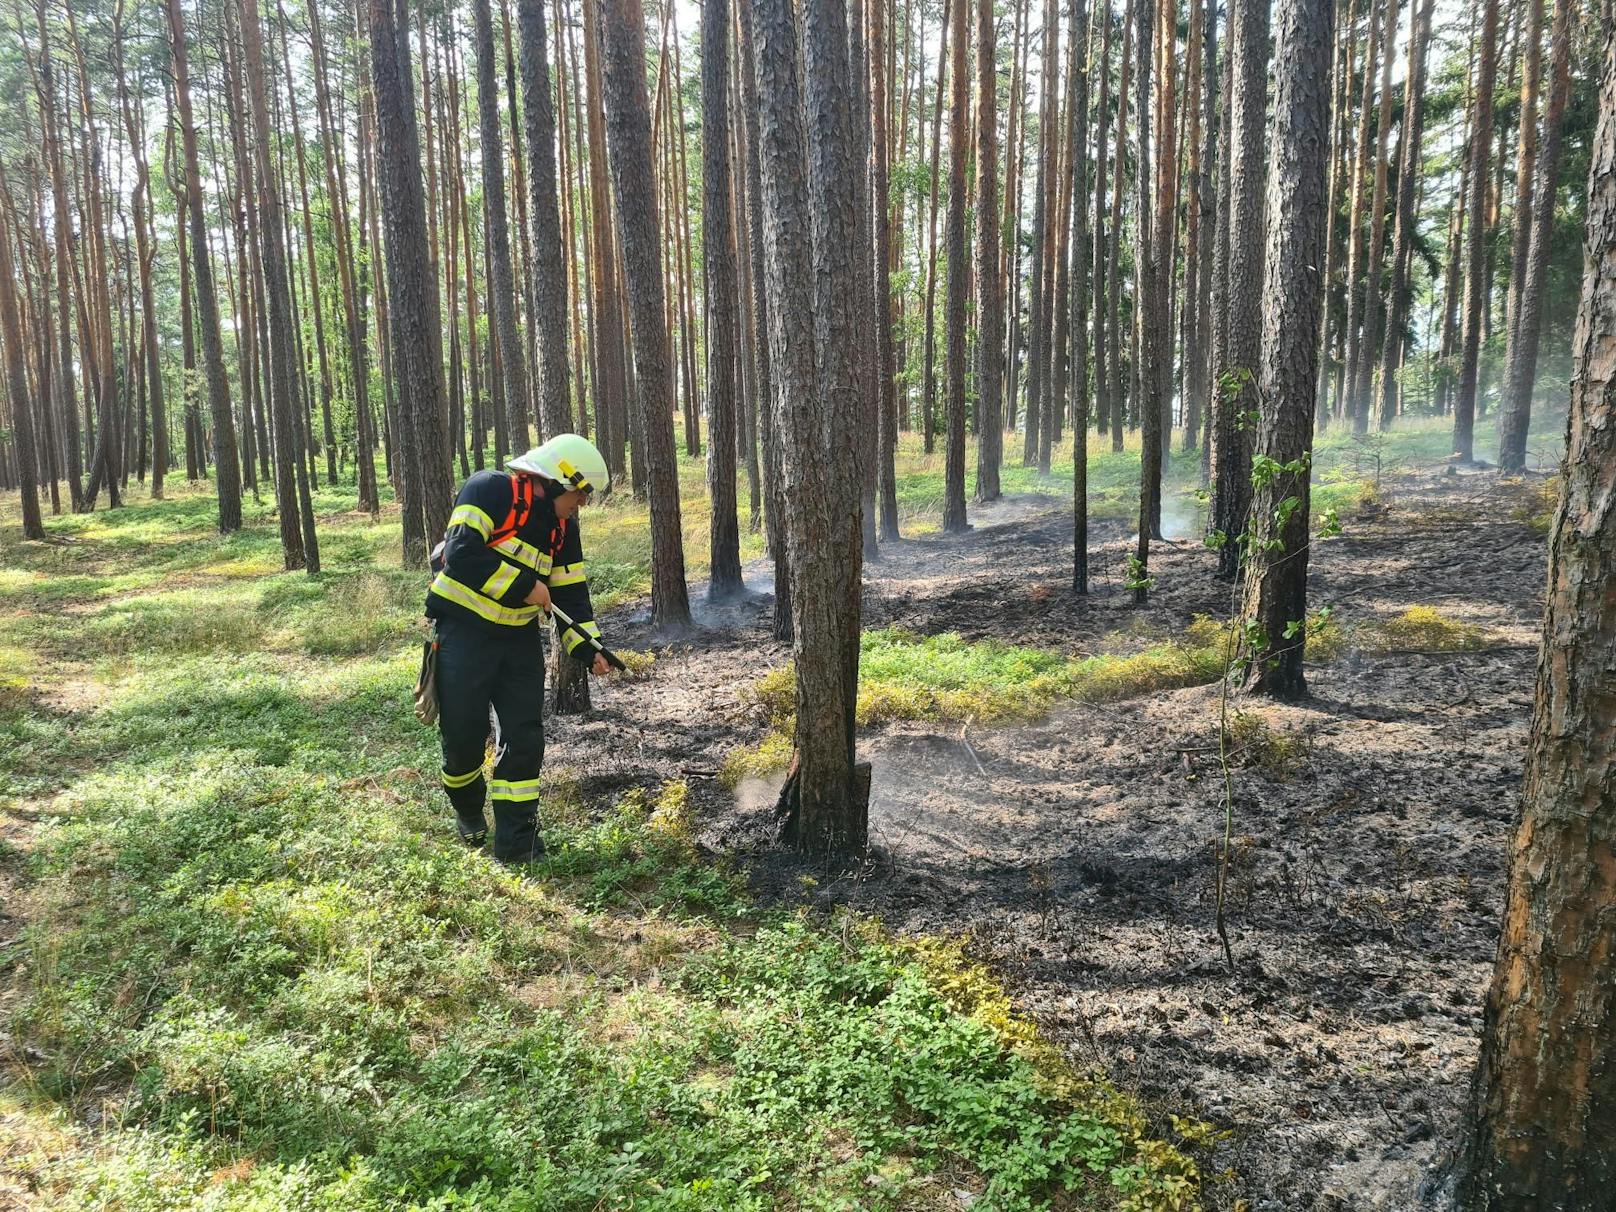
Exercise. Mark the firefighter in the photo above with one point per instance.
(512, 548)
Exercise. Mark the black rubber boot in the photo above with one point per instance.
(517, 842)
(473, 827)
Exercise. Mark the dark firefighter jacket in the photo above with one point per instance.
(487, 583)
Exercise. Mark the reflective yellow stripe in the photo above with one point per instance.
(462, 780)
(513, 789)
(524, 554)
(449, 589)
(470, 515)
(574, 639)
(567, 574)
(502, 579)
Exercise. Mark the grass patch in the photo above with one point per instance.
(1419, 628)
(1254, 742)
(1536, 503)
(768, 756)
(904, 676)
(1425, 628)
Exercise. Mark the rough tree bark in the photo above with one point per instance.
(628, 123)
(1235, 388)
(1481, 137)
(1408, 171)
(883, 223)
(1521, 357)
(1276, 580)
(954, 307)
(299, 545)
(512, 357)
(416, 340)
(722, 290)
(824, 649)
(22, 421)
(226, 464)
(1374, 269)
(989, 303)
(549, 269)
(1542, 1123)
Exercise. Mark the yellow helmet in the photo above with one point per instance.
(569, 460)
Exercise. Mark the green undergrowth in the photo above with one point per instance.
(906, 676)
(903, 675)
(1416, 629)
(259, 973)
(289, 989)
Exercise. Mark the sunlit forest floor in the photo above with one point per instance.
(245, 965)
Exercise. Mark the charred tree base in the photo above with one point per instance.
(571, 680)
(788, 812)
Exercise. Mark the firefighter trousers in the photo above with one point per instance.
(481, 669)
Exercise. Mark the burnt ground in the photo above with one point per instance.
(1078, 855)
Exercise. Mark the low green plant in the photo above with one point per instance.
(1425, 627)
(1254, 742)
(1536, 502)
(906, 676)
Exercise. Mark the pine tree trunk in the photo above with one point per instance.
(62, 232)
(954, 241)
(1077, 157)
(1521, 357)
(512, 357)
(1375, 53)
(1039, 319)
(1189, 340)
(989, 305)
(1236, 386)
(549, 270)
(22, 422)
(628, 117)
(1408, 171)
(226, 467)
(140, 204)
(1113, 274)
(883, 223)
(416, 340)
(928, 390)
(1098, 278)
(1072, 186)
(1340, 156)
(820, 537)
(1481, 137)
(299, 546)
(718, 262)
(1206, 254)
(611, 376)
(772, 433)
(1157, 353)
(1275, 609)
(1374, 270)
(315, 301)
(1542, 1122)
